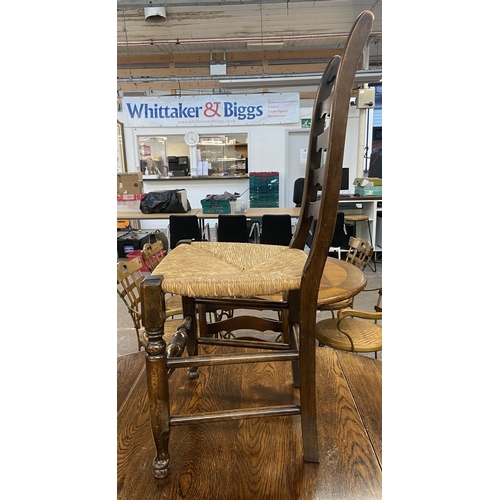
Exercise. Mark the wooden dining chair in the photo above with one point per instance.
(129, 280)
(232, 275)
(152, 254)
(359, 254)
(353, 330)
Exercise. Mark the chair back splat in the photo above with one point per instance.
(152, 254)
(231, 275)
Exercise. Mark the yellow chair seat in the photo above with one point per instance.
(217, 269)
(366, 336)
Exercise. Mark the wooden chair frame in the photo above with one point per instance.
(152, 254)
(323, 168)
(129, 279)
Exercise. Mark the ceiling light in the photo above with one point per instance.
(362, 76)
(265, 45)
(155, 14)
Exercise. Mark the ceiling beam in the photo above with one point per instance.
(140, 4)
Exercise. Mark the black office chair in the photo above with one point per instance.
(298, 190)
(232, 228)
(184, 227)
(340, 238)
(276, 230)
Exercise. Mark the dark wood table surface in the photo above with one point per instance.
(256, 458)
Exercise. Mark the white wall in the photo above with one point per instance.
(267, 150)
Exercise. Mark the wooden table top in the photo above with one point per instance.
(255, 458)
(140, 216)
(293, 212)
(250, 212)
(340, 281)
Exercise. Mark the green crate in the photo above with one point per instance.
(264, 189)
(216, 206)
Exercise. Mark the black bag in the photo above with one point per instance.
(163, 202)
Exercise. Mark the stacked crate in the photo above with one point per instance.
(264, 189)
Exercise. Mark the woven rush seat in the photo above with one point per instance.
(214, 269)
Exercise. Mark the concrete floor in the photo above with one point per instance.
(127, 339)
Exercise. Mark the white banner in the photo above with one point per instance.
(183, 111)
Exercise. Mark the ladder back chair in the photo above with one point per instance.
(129, 279)
(152, 254)
(232, 275)
(359, 254)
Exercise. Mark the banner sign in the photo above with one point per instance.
(258, 109)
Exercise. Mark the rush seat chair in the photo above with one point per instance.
(353, 330)
(233, 275)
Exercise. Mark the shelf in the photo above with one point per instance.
(198, 177)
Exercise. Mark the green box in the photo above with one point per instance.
(368, 190)
(216, 206)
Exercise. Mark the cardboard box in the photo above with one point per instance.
(129, 183)
(367, 181)
(368, 190)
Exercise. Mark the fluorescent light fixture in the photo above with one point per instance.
(155, 14)
(362, 76)
(265, 45)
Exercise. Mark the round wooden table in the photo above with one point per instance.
(340, 281)
(230, 460)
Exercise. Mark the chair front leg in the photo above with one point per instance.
(153, 300)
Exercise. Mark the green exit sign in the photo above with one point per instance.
(305, 123)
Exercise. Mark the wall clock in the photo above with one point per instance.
(191, 138)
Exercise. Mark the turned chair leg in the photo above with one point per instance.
(153, 319)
